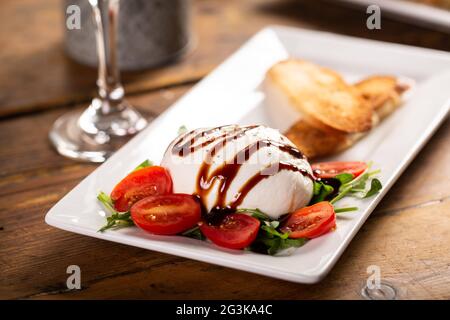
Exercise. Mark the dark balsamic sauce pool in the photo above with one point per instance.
(226, 173)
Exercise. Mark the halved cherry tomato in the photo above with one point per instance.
(311, 222)
(166, 214)
(139, 184)
(236, 231)
(331, 169)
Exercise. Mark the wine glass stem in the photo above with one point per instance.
(108, 82)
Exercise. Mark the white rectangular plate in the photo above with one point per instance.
(231, 94)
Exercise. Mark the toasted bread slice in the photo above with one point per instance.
(383, 93)
(321, 94)
(317, 140)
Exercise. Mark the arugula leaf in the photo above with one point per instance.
(344, 178)
(270, 239)
(342, 193)
(347, 209)
(144, 164)
(357, 187)
(275, 245)
(182, 129)
(317, 187)
(321, 191)
(256, 213)
(275, 224)
(273, 231)
(106, 201)
(287, 243)
(194, 233)
(375, 187)
(116, 219)
(358, 183)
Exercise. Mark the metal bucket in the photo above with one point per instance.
(150, 32)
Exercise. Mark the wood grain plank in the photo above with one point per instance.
(427, 178)
(26, 151)
(415, 263)
(34, 177)
(37, 75)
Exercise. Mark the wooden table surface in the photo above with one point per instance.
(407, 236)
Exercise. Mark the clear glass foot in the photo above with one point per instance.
(84, 136)
(384, 292)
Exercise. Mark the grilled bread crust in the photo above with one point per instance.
(317, 133)
(321, 94)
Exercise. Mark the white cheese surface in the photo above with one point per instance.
(281, 192)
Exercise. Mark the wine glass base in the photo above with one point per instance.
(71, 141)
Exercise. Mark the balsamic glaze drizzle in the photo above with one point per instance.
(226, 173)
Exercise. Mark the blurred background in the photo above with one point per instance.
(37, 74)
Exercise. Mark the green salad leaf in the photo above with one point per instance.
(344, 178)
(182, 129)
(144, 164)
(194, 233)
(375, 187)
(358, 187)
(256, 213)
(271, 229)
(320, 192)
(106, 201)
(270, 239)
(275, 245)
(117, 219)
(347, 209)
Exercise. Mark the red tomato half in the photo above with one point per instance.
(166, 214)
(331, 169)
(139, 184)
(236, 231)
(311, 222)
